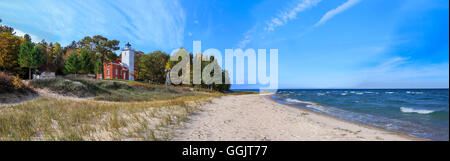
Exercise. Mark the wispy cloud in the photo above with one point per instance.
(282, 18)
(156, 23)
(330, 14)
(290, 13)
(401, 72)
(20, 33)
(248, 36)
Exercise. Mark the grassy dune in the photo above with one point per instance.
(117, 112)
(113, 90)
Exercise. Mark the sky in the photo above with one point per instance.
(321, 43)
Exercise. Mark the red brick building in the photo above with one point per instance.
(114, 70)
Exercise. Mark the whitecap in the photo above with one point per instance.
(411, 110)
(294, 100)
(408, 92)
(317, 107)
(291, 100)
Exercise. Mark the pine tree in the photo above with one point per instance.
(85, 62)
(72, 65)
(98, 67)
(30, 56)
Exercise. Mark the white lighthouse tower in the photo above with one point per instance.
(128, 60)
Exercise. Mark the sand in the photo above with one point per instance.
(259, 118)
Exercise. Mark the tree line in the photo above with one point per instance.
(22, 57)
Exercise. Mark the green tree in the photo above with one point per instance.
(27, 37)
(86, 65)
(103, 48)
(137, 69)
(30, 56)
(152, 67)
(73, 64)
(98, 67)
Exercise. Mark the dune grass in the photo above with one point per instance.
(119, 110)
(64, 119)
(113, 90)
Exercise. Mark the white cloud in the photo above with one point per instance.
(247, 38)
(330, 14)
(399, 72)
(196, 21)
(282, 18)
(289, 14)
(20, 33)
(157, 23)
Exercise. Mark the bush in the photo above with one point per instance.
(112, 90)
(11, 84)
(63, 86)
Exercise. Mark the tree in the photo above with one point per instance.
(204, 64)
(86, 65)
(73, 64)
(98, 67)
(152, 67)
(50, 55)
(72, 45)
(42, 50)
(103, 48)
(30, 56)
(137, 69)
(27, 37)
(9, 47)
(6, 28)
(58, 60)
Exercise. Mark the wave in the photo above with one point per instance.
(317, 107)
(294, 100)
(291, 100)
(409, 92)
(411, 110)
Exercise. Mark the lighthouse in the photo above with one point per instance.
(128, 60)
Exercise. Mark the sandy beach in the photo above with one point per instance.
(259, 118)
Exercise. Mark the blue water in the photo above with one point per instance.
(418, 112)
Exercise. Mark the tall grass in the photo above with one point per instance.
(117, 91)
(63, 119)
(129, 111)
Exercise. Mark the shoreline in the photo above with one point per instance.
(414, 138)
(260, 118)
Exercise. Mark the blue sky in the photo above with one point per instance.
(321, 43)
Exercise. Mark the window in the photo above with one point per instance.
(107, 72)
(116, 72)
